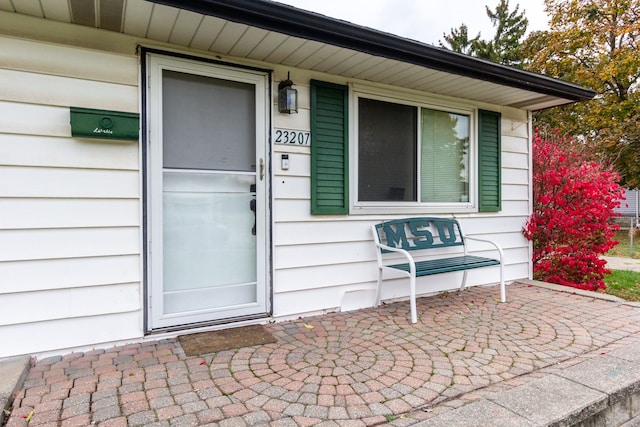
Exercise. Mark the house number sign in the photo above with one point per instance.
(300, 138)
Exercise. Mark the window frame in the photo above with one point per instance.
(420, 102)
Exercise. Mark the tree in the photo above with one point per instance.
(595, 44)
(510, 29)
(459, 41)
(574, 198)
(504, 48)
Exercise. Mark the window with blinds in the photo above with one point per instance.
(411, 153)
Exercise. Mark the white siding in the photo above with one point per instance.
(68, 182)
(70, 333)
(70, 236)
(59, 60)
(18, 245)
(66, 273)
(67, 91)
(17, 118)
(57, 152)
(69, 303)
(26, 213)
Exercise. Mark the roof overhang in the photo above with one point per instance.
(300, 23)
(274, 33)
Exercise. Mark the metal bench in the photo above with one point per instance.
(397, 240)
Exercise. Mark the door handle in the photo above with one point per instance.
(261, 169)
(253, 207)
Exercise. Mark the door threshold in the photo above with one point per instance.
(230, 322)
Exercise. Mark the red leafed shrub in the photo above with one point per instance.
(573, 202)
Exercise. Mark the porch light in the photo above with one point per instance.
(287, 97)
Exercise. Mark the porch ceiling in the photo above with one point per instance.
(280, 34)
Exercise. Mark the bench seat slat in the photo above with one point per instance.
(446, 265)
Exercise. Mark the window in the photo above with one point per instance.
(405, 157)
(386, 151)
(412, 153)
(444, 157)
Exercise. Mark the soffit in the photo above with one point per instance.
(205, 32)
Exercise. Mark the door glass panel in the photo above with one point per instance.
(209, 240)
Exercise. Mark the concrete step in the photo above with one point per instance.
(13, 372)
(603, 391)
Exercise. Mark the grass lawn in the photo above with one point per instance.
(624, 249)
(623, 284)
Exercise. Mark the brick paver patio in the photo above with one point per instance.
(360, 368)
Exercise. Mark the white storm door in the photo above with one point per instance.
(207, 221)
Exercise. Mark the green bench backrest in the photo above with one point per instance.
(420, 233)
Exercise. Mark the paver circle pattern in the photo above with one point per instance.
(366, 367)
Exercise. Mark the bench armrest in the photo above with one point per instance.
(392, 249)
(494, 244)
(407, 255)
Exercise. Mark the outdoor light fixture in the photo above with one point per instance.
(287, 97)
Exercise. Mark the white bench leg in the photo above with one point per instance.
(379, 291)
(503, 292)
(464, 280)
(412, 290)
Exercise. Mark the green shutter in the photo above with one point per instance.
(489, 165)
(329, 149)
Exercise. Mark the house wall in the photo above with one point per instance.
(328, 262)
(71, 239)
(629, 205)
(70, 263)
